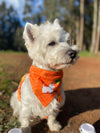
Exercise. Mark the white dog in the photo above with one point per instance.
(40, 92)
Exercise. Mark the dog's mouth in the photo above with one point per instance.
(68, 63)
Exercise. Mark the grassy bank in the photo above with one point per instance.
(88, 54)
(12, 66)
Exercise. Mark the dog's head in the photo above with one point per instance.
(49, 45)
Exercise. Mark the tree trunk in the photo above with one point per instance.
(77, 33)
(94, 30)
(81, 23)
(98, 31)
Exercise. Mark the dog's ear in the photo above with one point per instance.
(56, 22)
(30, 33)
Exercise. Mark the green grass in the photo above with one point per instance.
(12, 66)
(7, 122)
(6, 125)
(88, 54)
(7, 64)
(11, 52)
(82, 54)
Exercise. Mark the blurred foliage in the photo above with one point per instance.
(18, 41)
(9, 22)
(67, 11)
(52, 9)
(30, 14)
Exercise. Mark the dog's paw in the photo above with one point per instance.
(55, 127)
(24, 122)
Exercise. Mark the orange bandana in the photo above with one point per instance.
(45, 84)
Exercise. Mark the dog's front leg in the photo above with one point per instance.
(53, 123)
(24, 120)
(25, 125)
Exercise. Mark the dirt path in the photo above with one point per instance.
(82, 88)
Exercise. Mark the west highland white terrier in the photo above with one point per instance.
(40, 93)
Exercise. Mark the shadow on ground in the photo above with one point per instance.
(97, 126)
(40, 127)
(77, 101)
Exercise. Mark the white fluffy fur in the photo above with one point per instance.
(46, 57)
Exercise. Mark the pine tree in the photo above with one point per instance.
(8, 25)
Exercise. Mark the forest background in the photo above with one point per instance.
(81, 18)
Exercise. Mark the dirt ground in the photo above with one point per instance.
(82, 88)
(81, 83)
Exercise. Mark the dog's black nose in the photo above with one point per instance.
(72, 53)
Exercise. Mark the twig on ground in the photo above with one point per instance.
(14, 83)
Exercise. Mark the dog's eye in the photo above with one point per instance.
(52, 43)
